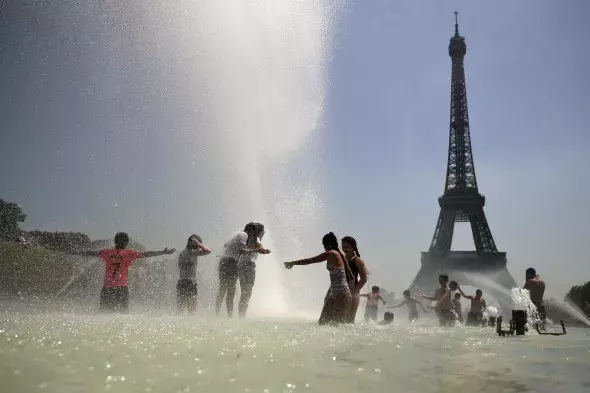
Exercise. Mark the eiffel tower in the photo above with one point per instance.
(485, 267)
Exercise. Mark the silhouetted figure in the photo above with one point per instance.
(372, 306)
(231, 266)
(186, 287)
(536, 288)
(115, 291)
(338, 298)
(359, 272)
(412, 306)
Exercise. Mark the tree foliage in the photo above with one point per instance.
(60, 241)
(580, 296)
(11, 215)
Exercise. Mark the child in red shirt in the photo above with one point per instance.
(115, 290)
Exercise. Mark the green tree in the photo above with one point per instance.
(10, 216)
(580, 296)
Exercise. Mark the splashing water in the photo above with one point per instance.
(265, 64)
(571, 310)
(521, 301)
(238, 89)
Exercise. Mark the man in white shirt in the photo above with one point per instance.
(242, 244)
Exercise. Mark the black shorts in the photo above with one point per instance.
(114, 299)
(473, 318)
(228, 270)
(186, 288)
(371, 313)
(247, 273)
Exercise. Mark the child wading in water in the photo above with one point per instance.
(115, 291)
(444, 306)
(387, 318)
(458, 308)
(372, 306)
(412, 306)
(478, 305)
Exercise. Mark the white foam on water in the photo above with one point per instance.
(521, 301)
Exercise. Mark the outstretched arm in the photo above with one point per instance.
(422, 306)
(149, 254)
(398, 305)
(433, 298)
(308, 261)
(463, 293)
(383, 300)
(85, 253)
(258, 249)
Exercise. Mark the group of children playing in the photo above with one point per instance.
(448, 306)
(115, 293)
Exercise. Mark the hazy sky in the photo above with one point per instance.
(66, 97)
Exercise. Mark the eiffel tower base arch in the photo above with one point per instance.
(486, 271)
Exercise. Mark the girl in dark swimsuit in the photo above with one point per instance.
(359, 272)
(338, 298)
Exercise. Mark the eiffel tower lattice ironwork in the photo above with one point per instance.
(462, 202)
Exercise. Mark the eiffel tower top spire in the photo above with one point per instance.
(460, 169)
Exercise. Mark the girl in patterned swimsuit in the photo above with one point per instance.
(338, 299)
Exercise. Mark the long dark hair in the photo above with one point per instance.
(330, 242)
(352, 241)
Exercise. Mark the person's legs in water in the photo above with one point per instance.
(192, 304)
(181, 296)
(542, 316)
(115, 299)
(220, 295)
(187, 292)
(221, 292)
(228, 277)
(370, 313)
(326, 316)
(106, 300)
(334, 311)
(353, 308)
(180, 301)
(340, 306)
(247, 273)
(447, 318)
(471, 319)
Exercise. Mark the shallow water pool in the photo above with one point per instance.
(60, 352)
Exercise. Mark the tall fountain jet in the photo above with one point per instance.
(233, 92)
(259, 69)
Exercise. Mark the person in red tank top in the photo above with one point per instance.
(115, 290)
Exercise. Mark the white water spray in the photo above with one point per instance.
(521, 301)
(262, 67)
